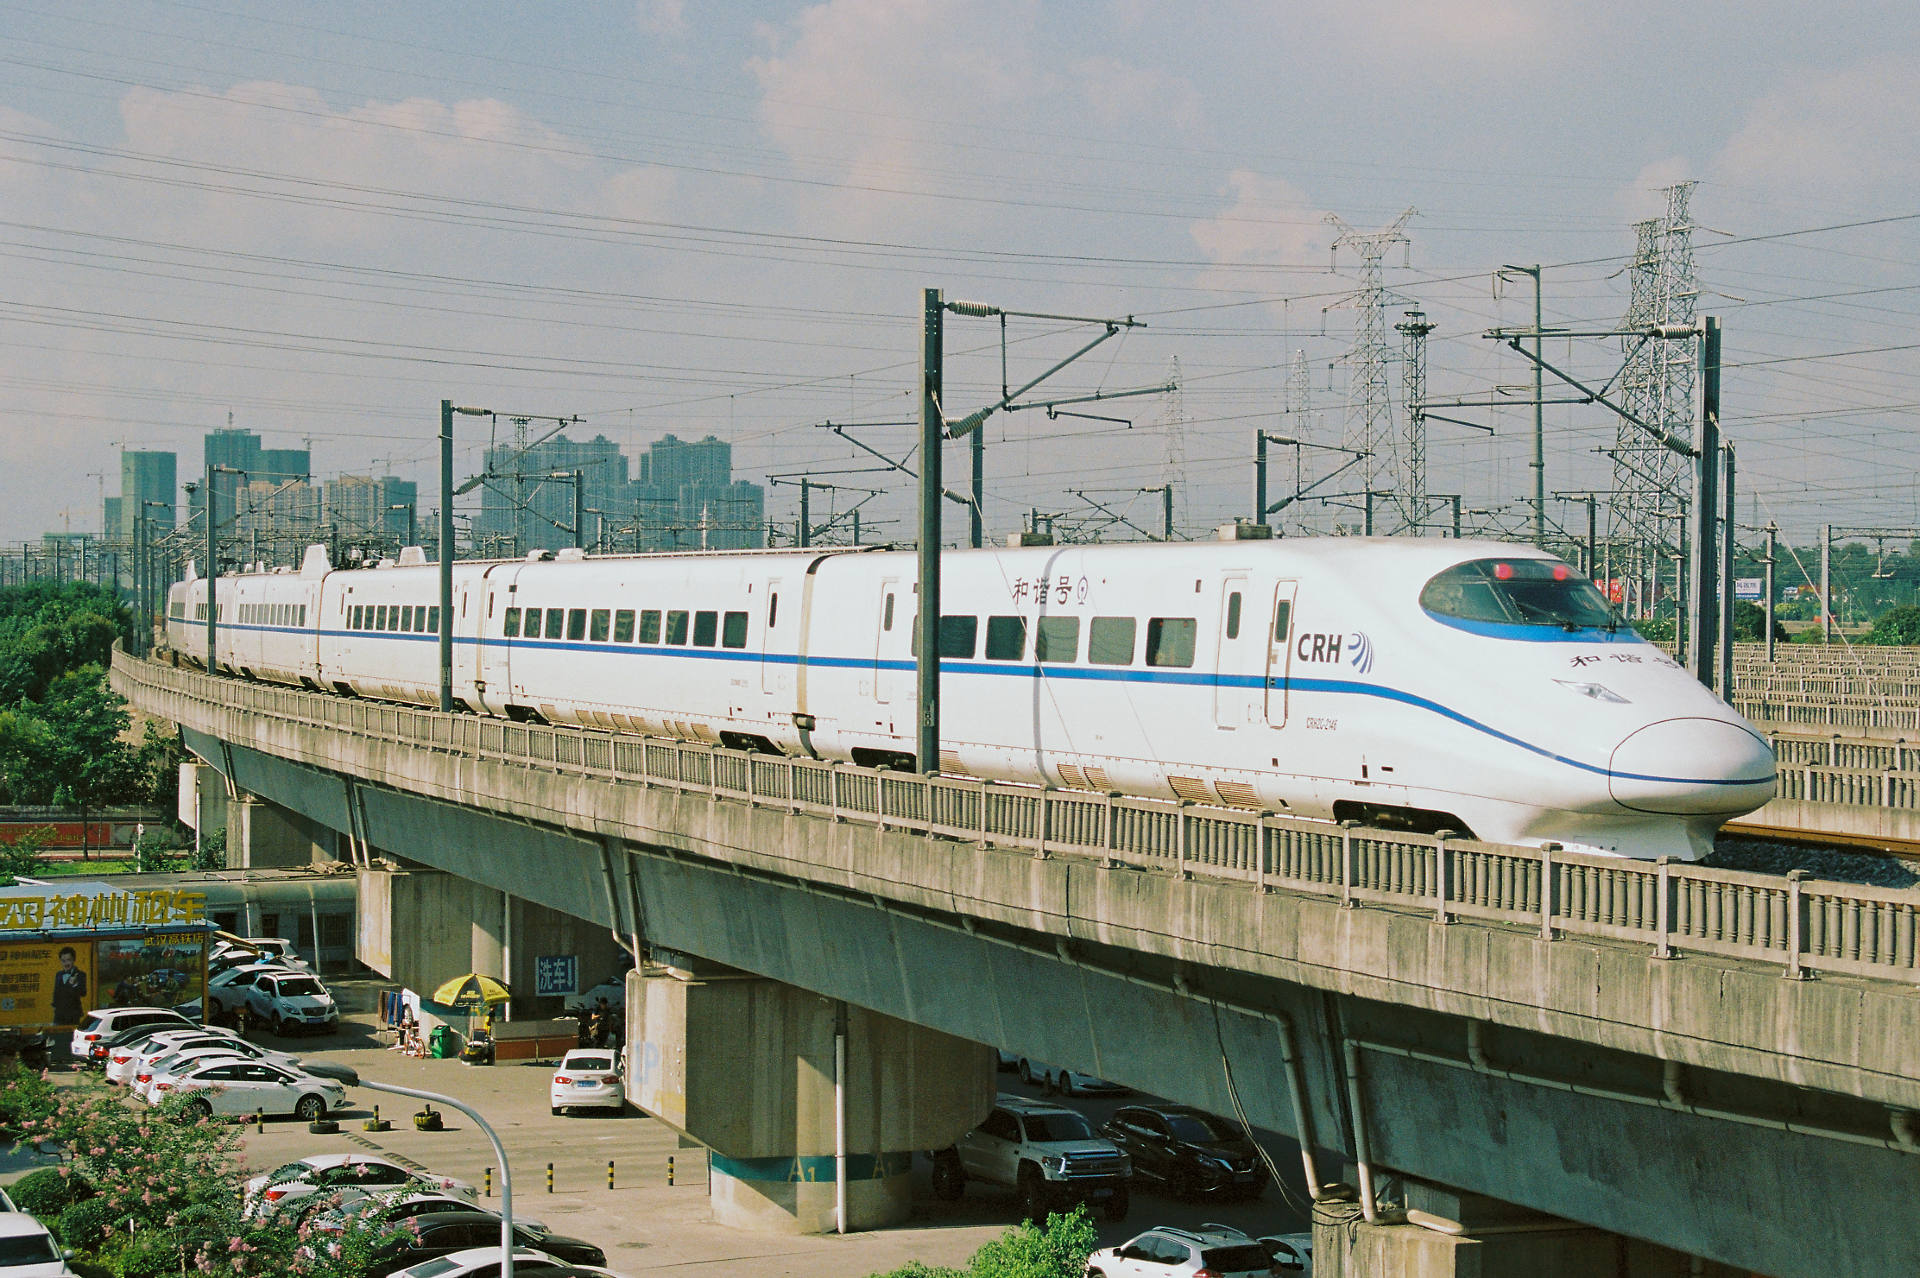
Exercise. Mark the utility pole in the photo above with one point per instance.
(932, 437)
(213, 558)
(1826, 584)
(1706, 503)
(1539, 462)
(1726, 575)
(447, 410)
(1773, 533)
(806, 516)
(1259, 477)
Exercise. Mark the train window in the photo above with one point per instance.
(1282, 620)
(410, 619)
(1056, 640)
(353, 617)
(706, 629)
(676, 627)
(1110, 641)
(380, 617)
(773, 610)
(1006, 638)
(1517, 592)
(1170, 641)
(301, 619)
(554, 620)
(650, 626)
(510, 623)
(1233, 615)
(598, 625)
(959, 636)
(575, 622)
(733, 630)
(433, 620)
(886, 613)
(623, 626)
(530, 626)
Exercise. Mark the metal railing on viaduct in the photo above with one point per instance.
(1798, 924)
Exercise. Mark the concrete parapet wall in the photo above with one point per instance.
(1838, 1034)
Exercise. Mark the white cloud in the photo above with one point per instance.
(1270, 222)
(1120, 93)
(1851, 135)
(661, 17)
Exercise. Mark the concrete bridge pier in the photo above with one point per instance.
(752, 1069)
(1446, 1233)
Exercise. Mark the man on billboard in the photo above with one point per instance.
(69, 990)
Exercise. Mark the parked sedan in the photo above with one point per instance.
(442, 1233)
(27, 1250)
(325, 1173)
(1068, 1083)
(124, 1064)
(587, 1077)
(228, 1086)
(1190, 1150)
(482, 1262)
(396, 1207)
(237, 1049)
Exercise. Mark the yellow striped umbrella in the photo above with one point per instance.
(471, 992)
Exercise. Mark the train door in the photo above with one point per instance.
(1280, 653)
(776, 666)
(493, 656)
(1236, 699)
(889, 681)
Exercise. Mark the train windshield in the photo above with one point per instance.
(1518, 592)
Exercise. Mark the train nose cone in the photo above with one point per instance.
(1692, 767)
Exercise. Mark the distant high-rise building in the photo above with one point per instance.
(240, 449)
(527, 501)
(146, 478)
(687, 499)
(400, 507)
(362, 507)
(276, 519)
(110, 521)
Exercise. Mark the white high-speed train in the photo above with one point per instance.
(1426, 684)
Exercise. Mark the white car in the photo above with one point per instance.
(327, 1173)
(228, 990)
(229, 1086)
(168, 1069)
(262, 949)
(481, 1262)
(187, 1056)
(1292, 1254)
(1167, 1252)
(27, 1249)
(107, 1021)
(587, 1077)
(1066, 1082)
(291, 1002)
(125, 1061)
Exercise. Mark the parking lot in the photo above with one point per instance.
(644, 1224)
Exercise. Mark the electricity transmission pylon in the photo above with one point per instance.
(1412, 495)
(1369, 404)
(1651, 481)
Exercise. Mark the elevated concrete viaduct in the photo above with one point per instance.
(1626, 1046)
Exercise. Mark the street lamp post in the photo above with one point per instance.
(499, 1152)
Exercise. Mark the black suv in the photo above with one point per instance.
(439, 1233)
(1190, 1150)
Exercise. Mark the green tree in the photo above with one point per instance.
(1057, 1249)
(21, 857)
(1897, 626)
(1750, 623)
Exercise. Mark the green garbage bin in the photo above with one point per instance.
(441, 1043)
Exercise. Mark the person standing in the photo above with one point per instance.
(69, 989)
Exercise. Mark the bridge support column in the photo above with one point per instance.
(746, 1066)
(1443, 1233)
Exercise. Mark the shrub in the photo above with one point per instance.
(85, 1223)
(49, 1191)
(24, 1097)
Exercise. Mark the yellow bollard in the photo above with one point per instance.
(259, 1121)
(549, 1178)
(609, 1173)
(669, 1170)
(489, 1182)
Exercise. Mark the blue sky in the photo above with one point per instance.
(718, 219)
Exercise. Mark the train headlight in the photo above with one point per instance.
(1599, 692)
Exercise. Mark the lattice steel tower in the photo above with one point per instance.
(1412, 496)
(1650, 482)
(1176, 423)
(1369, 405)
